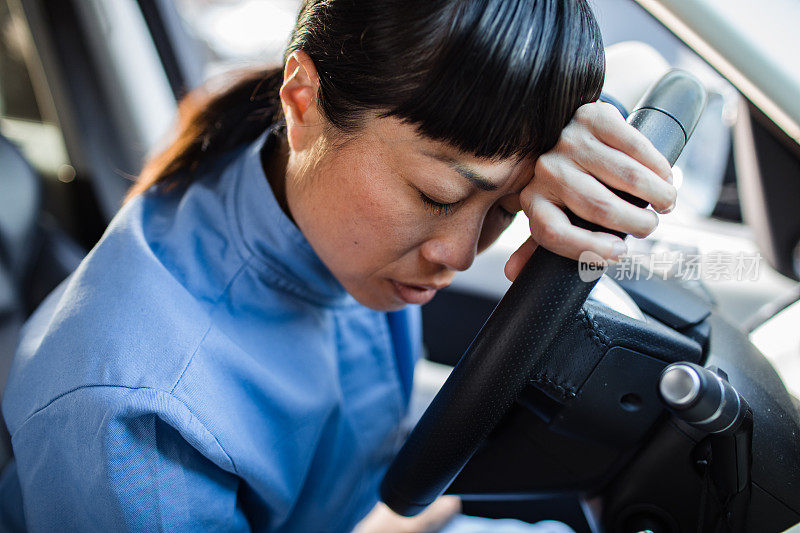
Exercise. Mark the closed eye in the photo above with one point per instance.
(437, 208)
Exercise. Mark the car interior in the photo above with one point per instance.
(606, 416)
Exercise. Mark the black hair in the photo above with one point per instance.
(494, 78)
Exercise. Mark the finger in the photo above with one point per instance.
(519, 258)
(551, 228)
(607, 124)
(381, 519)
(620, 171)
(594, 202)
(437, 514)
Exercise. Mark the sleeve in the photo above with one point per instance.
(120, 459)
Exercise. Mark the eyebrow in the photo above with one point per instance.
(473, 177)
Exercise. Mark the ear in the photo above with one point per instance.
(304, 122)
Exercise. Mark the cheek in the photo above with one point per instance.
(365, 218)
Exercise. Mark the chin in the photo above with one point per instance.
(377, 299)
(378, 304)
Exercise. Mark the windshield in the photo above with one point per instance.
(753, 44)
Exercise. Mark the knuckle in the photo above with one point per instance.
(526, 199)
(609, 110)
(585, 114)
(546, 166)
(566, 141)
(664, 169)
(631, 176)
(577, 139)
(549, 235)
(642, 145)
(600, 209)
(534, 201)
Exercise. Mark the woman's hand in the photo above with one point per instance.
(596, 149)
(383, 520)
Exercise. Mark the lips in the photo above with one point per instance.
(416, 294)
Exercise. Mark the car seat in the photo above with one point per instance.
(35, 256)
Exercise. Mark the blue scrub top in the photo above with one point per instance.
(203, 370)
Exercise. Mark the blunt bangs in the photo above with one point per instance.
(506, 76)
(494, 78)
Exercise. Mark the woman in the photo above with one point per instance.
(236, 352)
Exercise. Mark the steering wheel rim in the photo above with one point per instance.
(546, 295)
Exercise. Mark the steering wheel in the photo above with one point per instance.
(546, 295)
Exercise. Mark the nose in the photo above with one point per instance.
(454, 249)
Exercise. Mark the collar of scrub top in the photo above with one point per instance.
(280, 251)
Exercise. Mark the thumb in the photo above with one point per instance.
(519, 258)
(438, 513)
(383, 520)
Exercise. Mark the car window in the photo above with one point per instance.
(239, 32)
(753, 44)
(27, 116)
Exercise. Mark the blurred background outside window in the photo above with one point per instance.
(27, 116)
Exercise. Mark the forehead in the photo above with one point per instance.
(404, 139)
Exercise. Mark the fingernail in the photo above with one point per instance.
(669, 209)
(669, 179)
(618, 249)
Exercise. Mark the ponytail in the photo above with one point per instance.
(213, 122)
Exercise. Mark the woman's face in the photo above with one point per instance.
(394, 215)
